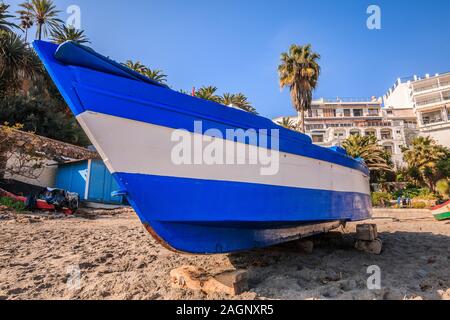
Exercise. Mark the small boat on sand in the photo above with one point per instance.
(247, 182)
(441, 212)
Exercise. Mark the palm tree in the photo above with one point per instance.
(65, 33)
(288, 123)
(422, 158)
(299, 70)
(208, 93)
(242, 102)
(237, 100)
(369, 150)
(5, 25)
(136, 66)
(26, 21)
(17, 62)
(228, 99)
(156, 74)
(44, 14)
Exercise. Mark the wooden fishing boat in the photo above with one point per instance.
(205, 207)
(441, 212)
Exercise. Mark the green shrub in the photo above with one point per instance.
(412, 192)
(426, 194)
(12, 204)
(380, 199)
(419, 205)
(443, 187)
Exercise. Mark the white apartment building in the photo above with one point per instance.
(429, 97)
(331, 121)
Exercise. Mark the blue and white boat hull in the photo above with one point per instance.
(204, 207)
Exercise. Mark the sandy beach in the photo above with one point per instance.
(117, 259)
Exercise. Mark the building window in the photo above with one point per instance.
(329, 113)
(347, 113)
(373, 112)
(432, 117)
(386, 134)
(357, 112)
(388, 149)
(317, 138)
(313, 113)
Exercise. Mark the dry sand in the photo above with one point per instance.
(118, 259)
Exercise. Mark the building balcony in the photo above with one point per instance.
(435, 85)
(432, 102)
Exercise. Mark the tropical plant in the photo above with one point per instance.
(369, 150)
(136, 66)
(381, 199)
(228, 99)
(443, 187)
(156, 74)
(299, 70)
(241, 101)
(208, 93)
(422, 159)
(63, 33)
(17, 62)
(5, 25)
(287, 123)
(237, 100)
(26, 21)
(44, 14)
(42, 115)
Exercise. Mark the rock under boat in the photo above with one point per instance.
(203, 208)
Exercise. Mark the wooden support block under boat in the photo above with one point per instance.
(373, 247)
(233, 282)
(366, 232)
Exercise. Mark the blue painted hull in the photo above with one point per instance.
(194, 214)
(201, 216)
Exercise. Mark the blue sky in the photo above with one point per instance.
(235, 45)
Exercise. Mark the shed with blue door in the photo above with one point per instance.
(90, 179)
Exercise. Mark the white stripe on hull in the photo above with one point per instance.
(136, 147)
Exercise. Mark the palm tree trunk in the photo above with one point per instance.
(303, 120)
(26, 34)
(40, 31)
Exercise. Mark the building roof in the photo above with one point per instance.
(48, 148)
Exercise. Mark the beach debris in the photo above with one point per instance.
(232, 282)
(373, 247)
(366, 232)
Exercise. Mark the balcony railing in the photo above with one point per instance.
(351, 99)
(430, 101)
(418, 90)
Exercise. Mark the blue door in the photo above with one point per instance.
(72, 177)
(101, 184)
